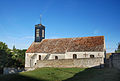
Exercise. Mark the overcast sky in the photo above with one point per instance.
(62, 19)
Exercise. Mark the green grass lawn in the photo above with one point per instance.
(65, 74)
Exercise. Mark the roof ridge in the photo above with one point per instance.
(74, 37)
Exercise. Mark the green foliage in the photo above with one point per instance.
(19, 56)
(118, 49)
(118, 45)
(3, 46)
(4, 54)
(11, 58)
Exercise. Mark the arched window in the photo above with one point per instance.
(39, 57)
(56, 57)
(74, 56)
(91, 56)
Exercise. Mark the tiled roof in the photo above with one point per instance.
(63, 45)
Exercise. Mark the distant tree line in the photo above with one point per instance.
(11, 57)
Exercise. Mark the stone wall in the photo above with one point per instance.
(114, 60)
(31, 58)
(82, 63)
(7, 70)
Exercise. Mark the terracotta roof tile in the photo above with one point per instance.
(68, 44)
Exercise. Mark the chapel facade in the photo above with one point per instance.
(63, 48)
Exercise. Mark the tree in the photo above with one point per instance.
(11, 58)
(19, 56)
(4, 55)
(118, 49)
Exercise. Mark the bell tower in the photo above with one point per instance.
(39, 32)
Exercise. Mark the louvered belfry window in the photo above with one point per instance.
(42, 33)
(37, 33)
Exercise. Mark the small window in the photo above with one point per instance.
(39, 57)
(56, 57)
(74, 56)
(91, 56)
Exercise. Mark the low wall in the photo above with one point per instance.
(7, 70)
(82, 63)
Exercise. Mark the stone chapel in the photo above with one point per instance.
(63, 48)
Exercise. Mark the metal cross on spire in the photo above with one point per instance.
(40, 18)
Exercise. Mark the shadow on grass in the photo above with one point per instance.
(96, 74)
(89, 74)
(85, 75)
(17, 77)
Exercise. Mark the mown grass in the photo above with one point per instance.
(65, 74)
